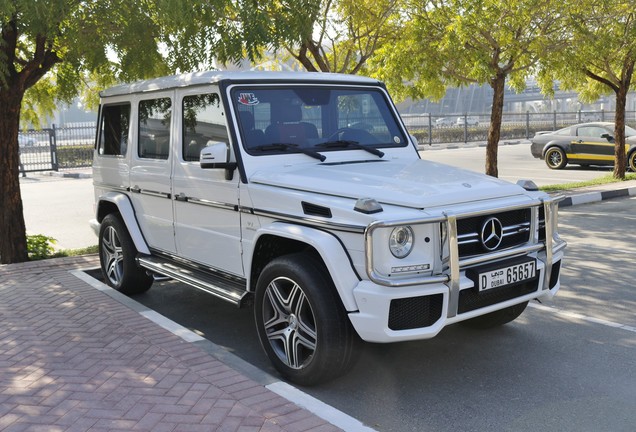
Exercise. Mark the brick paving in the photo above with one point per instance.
(74, 359)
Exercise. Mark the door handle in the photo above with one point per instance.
(135, 189)
(181, 197)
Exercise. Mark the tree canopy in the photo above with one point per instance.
(52, 49)
(598, 58)
(321, 35)
(458, 42)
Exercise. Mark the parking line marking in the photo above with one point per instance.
(582, 317)
(318, 407)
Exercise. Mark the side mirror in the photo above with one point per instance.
(215, 156)
(608, 137)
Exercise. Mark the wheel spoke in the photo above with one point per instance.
(289, 322)
(112, 255)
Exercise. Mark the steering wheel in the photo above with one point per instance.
(334, 136)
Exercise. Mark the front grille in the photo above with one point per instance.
(415, 312)
(516, 231)
(470, 299)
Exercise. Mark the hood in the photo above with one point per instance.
(408, 183)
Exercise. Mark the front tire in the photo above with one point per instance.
(496, 318)
(117, 254)
(555, 158)
(301, 322)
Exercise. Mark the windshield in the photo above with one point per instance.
(286, 119)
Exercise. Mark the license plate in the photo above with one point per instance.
(510, 275)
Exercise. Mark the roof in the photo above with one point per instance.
(210, 77)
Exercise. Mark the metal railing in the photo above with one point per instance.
(57, 148)
(71, 146)
(464, 128)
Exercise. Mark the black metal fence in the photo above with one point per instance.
(464, 128)
(57, 148)
(71, 146)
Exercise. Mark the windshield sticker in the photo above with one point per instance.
(247, 99)
(396, 139)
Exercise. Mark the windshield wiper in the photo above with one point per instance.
(286, 147)
(353, 144)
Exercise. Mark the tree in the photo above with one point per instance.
(459, 42)
(322, 35)
(49, 50)
(599, 58)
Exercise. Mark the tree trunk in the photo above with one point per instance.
(620, 165)
(13, 246)
(498, 85)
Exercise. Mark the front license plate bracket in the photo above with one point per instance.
(503, 274)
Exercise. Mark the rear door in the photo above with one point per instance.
(151, 170)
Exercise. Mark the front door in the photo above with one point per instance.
(207, 220)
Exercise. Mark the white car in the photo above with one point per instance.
(468, 121)
(26, 141)
(269, 191)
(444, 122)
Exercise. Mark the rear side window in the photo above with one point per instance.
(154, 128)
(114, 127)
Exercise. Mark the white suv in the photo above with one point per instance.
(303, 196)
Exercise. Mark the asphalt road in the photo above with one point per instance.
(514, 162)
(569, 365)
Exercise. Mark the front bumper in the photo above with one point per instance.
(388, 314)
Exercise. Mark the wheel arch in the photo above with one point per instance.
(117, 202)
(563, 146)
(280, 239)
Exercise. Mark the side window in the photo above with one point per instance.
(203, 121)
(113, 134)
(154, 128)
(591, 131)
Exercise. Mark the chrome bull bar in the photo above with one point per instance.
(552, 245)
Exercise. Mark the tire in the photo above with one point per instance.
(301, 322)
(555, 158)
(497, 318)
(631, 161)
(117, 254)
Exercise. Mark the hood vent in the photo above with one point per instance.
(316, 210)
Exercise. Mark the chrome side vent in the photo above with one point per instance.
(316, 210)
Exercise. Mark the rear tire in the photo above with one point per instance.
(631, 161)
(555, 158)
(117, 255)
(497, 318)
(301, 323)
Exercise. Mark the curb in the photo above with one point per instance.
(596, 196)
(76, 175)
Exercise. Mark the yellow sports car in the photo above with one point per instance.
(582, 144)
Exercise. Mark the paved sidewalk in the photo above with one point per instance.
(73, 358)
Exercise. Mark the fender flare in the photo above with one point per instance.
(562, 146)
(125, 208)
(330, 250)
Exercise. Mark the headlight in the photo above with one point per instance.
(401, 241)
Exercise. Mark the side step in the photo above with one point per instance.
(226, 288)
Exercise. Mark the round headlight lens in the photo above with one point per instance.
(401, 241)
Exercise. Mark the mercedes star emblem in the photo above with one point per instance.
(491, 233)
